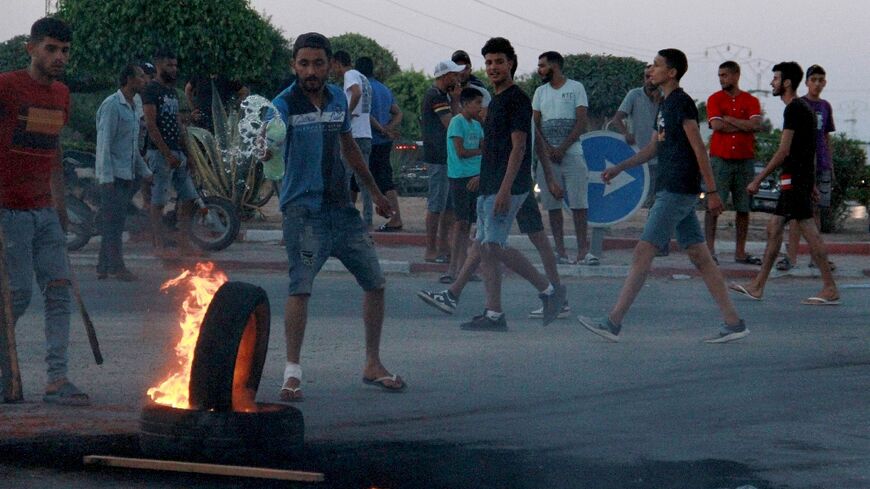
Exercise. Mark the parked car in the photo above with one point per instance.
(768, 192)
(411, 176)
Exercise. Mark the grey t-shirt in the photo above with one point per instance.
(642, 114)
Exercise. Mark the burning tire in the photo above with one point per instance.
(231, 349)
(270, 433)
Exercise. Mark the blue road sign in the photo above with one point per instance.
(614, 202)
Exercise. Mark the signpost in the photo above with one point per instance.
(623, 196)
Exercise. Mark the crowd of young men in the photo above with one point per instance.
(478, 147)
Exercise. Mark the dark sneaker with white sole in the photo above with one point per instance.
(443, 301)
(484, 323)
(729, 333)
(553, 304)
(603, 327)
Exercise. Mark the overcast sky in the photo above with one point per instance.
(834, 34)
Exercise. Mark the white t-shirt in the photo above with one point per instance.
(558, 108)
(360, 125)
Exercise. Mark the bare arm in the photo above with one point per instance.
(57, 188)
(753, 124)
(515, 160)
(394, 122)
(580, 121)
(778, 158)
(355, 96)
(693, 134)
(647, 153)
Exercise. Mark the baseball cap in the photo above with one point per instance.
(446, 66)
(148, 68)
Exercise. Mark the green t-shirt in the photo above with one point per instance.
(471, 133)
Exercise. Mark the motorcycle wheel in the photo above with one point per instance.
(217, 228)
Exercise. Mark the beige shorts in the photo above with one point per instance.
(573, 176)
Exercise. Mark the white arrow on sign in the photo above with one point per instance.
(616, 183)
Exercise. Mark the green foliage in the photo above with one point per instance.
(13, 55)
(849, 169)
(209, 36)
(408, 88)
(606, 78)
(358, 45)
(81, 131)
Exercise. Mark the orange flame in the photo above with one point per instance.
(203, 283)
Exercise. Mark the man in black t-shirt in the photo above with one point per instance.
(440, 104)
(682, 160)
(199, 92)
(505, 182)
(797, 157)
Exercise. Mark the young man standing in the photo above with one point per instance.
(735, 117)
(796, 155)
(683, 162)
(440, 104)
(824, 165)
(559, 107)
(119, 165)
(167, 153)
(358, 91)
(319, 218)
(386, 117)
(34, 107)
(505, 182)
(465, 135)
(467, 79)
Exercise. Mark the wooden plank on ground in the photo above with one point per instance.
(201, 468)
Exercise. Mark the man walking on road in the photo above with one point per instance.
(119, 165)
(167, 153)
(323, 223)
(735, 117)
(505, 182)
(559, 107)
(683, 162)
(34, 107)
(797, 157)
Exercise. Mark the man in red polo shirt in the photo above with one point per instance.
(735, 117)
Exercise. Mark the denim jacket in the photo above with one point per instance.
(118, 141)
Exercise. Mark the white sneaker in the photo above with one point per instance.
(539, 312)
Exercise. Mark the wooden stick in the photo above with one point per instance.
(200, 468)
(12, 391)
(86, 318)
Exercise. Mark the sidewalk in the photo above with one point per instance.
(402, 253)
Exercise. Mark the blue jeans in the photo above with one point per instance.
(311, 237)
(492, 227)
(34, 242)
(113, 215)
(673, 213)
(164, 176)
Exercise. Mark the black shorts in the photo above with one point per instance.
(464, 201)
(529, 216)
(380, 168)
(795, 204)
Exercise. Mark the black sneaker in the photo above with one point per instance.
(483, 323)
(443, 301)
(602, 327)
(729, 333)
(553, 304)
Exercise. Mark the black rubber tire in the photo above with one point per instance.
(80, 226)
(273, 433)
(217, 348)
(225, 226)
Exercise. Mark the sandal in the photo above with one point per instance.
(446, 279)
(749, 260)
(383, 228)
(67, 394)
(831, 265)
(380, 382)
(291, 394)
(784, 265)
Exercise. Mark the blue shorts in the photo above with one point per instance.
(494, 228)
(164, 175)
(311, 237)
(673, 213)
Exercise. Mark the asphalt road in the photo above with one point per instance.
(533, 407)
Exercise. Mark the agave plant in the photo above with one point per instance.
(220, 166)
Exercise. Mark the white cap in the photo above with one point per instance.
(447, 66)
